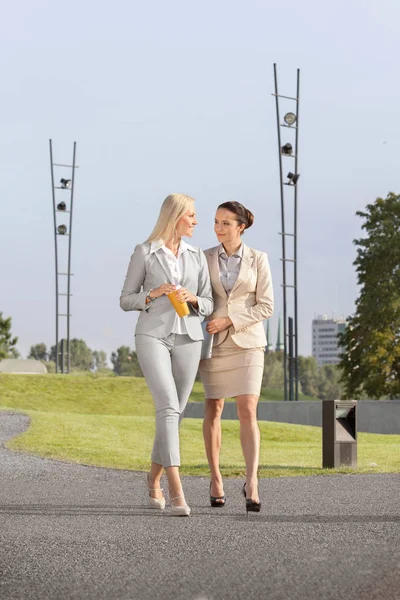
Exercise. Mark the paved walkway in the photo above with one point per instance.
(74, 532)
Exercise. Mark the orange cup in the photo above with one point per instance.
(181, 307)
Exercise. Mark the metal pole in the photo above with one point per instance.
(295, 245)
(62, 355)
(55, 247)
(69, 262)
(283, 237)
(291, 361)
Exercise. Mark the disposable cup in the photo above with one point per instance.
(181, 307)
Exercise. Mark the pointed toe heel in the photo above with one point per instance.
(180, 511)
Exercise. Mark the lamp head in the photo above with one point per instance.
(290, 118)
(287, 149)
(293, 178)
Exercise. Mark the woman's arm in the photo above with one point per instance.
(204, 296)
(264, 307)
(132, 296)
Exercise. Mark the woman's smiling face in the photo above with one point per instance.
(226, 227)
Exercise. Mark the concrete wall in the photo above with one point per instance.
(374, 416)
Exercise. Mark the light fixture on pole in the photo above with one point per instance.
(287, 149)
(65, 183)
(290, 119)
(293, 178)
(62, 230)
(61, 206)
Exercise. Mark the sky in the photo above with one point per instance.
(176, 96)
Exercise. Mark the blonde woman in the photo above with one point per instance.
(243, 298)
(168, 347)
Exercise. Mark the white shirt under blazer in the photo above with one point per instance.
(147, 270)
(250, 301)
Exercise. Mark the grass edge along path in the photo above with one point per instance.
(109, 422)
(124, 442)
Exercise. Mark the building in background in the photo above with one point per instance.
(325, 342)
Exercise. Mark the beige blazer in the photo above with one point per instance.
(250, 302)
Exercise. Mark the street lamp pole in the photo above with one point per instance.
(290, 324)
(61, 231)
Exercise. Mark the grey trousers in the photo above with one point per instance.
(169, 365)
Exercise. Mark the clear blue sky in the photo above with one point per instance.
(176, 97)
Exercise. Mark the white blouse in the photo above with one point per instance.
(229, 267)
(175, 265)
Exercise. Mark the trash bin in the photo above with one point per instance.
(339, 433)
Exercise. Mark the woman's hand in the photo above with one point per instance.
(217, 325)
(165, 288)
(183, 295)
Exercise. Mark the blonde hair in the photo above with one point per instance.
(172, 209)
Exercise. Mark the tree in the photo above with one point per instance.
(125, 362)
(371, 342)
(328, 383)
(81, 358)
(273, 371)
(308, 374)
(99, 360)
(39, 352)
(7, 342)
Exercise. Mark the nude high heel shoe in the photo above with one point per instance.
(180, 511)
(158, 503)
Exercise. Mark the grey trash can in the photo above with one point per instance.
(339, 433)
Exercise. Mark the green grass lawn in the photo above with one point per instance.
(109, 422)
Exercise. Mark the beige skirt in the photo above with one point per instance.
(232, 370)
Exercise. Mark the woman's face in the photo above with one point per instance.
(226, 227)
(186, 223)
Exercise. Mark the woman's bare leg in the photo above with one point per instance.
(250, 440)
(175, 486)
(212, 440)
(154, 480)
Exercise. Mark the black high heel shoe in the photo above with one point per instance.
(217, 501)
(251, 505)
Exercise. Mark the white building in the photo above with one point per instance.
(325, 348)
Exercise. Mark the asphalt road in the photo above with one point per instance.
(74, 532)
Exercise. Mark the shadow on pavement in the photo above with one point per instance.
(140, 511)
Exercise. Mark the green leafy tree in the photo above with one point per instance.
(273, 371)
(370, 358)
(125, 362)
(329, 386)
(81, 358)
(308, 374)
(7, 342)
(39, 352)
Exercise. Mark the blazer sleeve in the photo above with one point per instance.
(264, 307)
(204, 291)
(132, 296)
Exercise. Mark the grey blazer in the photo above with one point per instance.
(147, 271)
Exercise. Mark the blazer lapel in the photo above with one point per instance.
(245, 265)
(162, 259)
(215, 276)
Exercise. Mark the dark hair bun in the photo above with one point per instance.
(250, 218)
